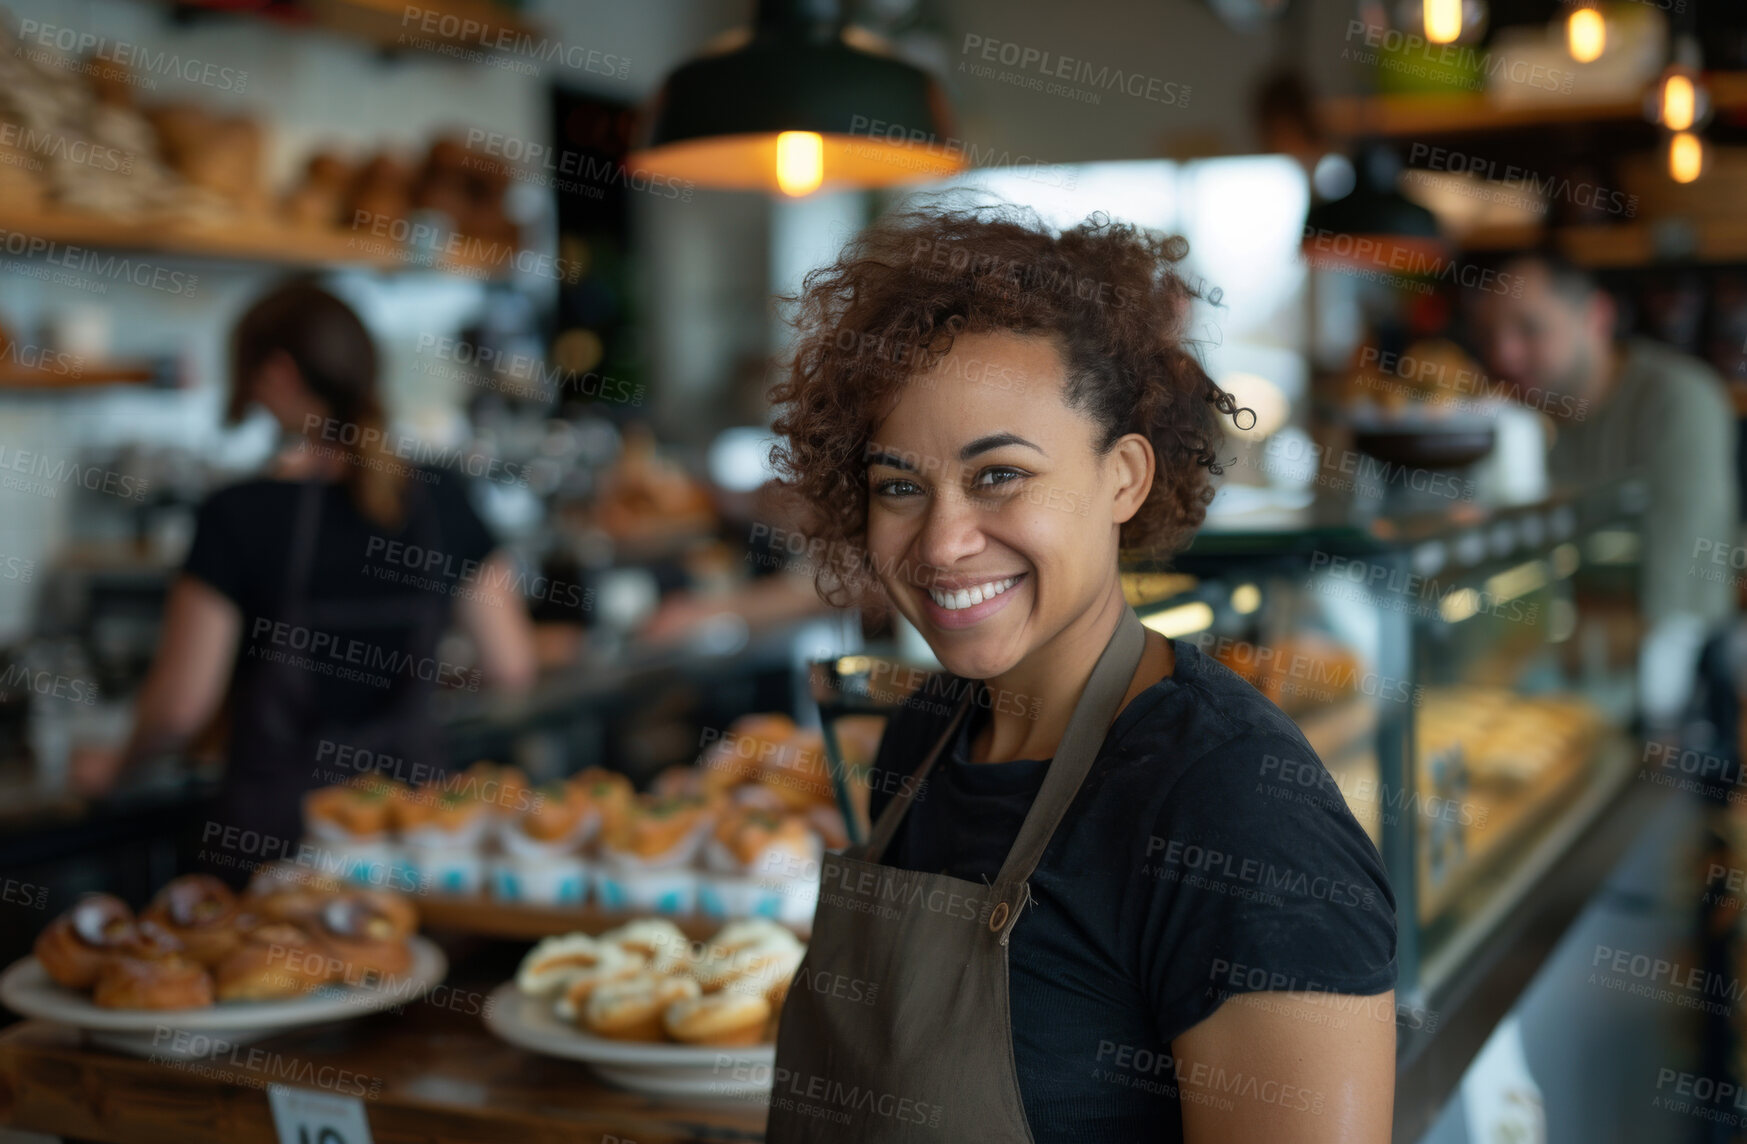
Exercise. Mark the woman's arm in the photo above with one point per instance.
(1290, 1068)
(186, 683)
(494, 614)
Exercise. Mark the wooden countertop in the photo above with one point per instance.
(442, 1077)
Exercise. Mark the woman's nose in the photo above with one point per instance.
(950, 531)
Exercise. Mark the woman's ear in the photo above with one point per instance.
(1133, 467)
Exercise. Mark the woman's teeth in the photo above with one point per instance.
(967, 597)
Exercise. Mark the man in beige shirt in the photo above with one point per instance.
(1621, 408)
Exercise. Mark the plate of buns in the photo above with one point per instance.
(653, 1011)
(292, 950)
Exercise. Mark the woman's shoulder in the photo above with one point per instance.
(1204, 711)
(1206, 748)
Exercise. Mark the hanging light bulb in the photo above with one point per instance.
(1679, 101)
(1686, 157)
(1439, 21)
(1443, 21)
(800, 162)
(1586, 34)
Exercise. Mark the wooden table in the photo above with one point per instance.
(439, 1076)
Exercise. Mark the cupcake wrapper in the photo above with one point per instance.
(446, 870)
(666, 891)
(551, 881)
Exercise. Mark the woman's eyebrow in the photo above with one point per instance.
(890, 460)
(994, 441)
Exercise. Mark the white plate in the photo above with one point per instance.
(732, 1072)
(26, 989)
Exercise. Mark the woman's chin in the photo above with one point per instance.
(973, 663)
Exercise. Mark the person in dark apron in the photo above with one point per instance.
(315, 600)
(1110, 892)
(285, 731)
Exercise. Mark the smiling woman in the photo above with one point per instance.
(1093, 910)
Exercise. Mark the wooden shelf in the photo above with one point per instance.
(453, 29)
(1672, 241)
(14, 376)
(1400, 116)
(485, 916)
(246, 239)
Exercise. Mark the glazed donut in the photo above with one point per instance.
(366, 940)
(718, 1019)
(274, 960)
(631, 1010)
(74, 946)
(199, 911)
(615, 964)
(171, 982)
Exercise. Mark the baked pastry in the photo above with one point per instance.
(367, 934)
(290, 894)
(274, 961)
(358, 809)
(201, 912)
(631, 1009)
(800, 773)
(608, 794)
(614, 964)
(74, 947)
(762, 842)
(456, 811)
(502, 788)
(761, 965)
(657, 940)
(171, 981)
(557, 817)
(718, 1019)
(551, 964)
(644, 495)
(658, 830)
(680, 780)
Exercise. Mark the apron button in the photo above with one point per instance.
(998, 917)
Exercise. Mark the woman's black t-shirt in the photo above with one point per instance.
(242, 547)
(1208, 853)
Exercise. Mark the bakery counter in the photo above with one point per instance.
(603, 674)
(431, 1072)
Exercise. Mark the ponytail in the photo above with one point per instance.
(336, 359)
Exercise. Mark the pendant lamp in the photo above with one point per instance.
(799, 103)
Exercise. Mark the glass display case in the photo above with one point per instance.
(1467, 675)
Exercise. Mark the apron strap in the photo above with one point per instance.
(893, 814)
(1093, 714)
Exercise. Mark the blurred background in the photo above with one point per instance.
(575, 299)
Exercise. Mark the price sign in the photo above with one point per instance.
(304, 1116)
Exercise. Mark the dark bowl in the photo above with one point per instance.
(1424, 446)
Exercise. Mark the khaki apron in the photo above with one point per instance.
(931, 1058)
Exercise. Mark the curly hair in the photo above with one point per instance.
(890, 306)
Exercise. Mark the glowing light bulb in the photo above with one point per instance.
(1443, 20)
(1679, 102)
(1686, 157)
(1585, 35)
(800, 162)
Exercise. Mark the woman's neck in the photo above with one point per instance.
(1030, 705)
